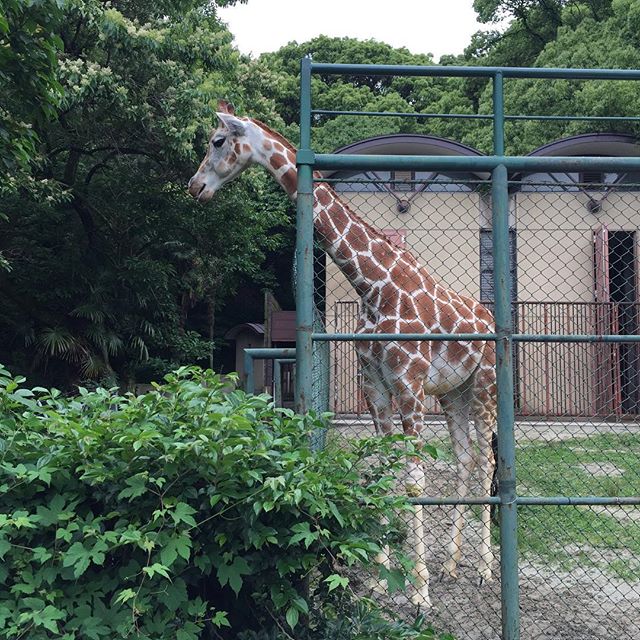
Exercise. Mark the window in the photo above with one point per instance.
(486, 266)
(402, 180)
(593, 180)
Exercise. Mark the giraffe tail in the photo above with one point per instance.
(494, 479)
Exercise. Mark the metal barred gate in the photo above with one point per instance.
(567, 350)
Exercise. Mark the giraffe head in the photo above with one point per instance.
(229, 153)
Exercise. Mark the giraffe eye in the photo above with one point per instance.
(218, 142)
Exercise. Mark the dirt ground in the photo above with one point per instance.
(555, 603)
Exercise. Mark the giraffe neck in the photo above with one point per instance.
(362, 253)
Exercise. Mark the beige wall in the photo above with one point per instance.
(555, 264)
(555, 241)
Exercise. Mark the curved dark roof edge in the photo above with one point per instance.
(557, 146)
(256, 327)
(550, 148)
(403, 138)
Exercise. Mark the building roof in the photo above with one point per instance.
(591, 144)
(252, 327)
(409, 144)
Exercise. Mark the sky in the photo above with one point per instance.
(422, 26)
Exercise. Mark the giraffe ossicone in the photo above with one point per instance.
(398, 295)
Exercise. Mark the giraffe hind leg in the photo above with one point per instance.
(455, 405)
(483, 408)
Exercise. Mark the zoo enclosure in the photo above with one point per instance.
(506, 336)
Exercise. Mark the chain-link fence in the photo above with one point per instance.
(577, 405)
(429, 248)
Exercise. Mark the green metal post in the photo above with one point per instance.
(505, 380)
(304, 248)
(277, 382)
(249, 380)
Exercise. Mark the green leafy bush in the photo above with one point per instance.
(188, 512)
(357, 620)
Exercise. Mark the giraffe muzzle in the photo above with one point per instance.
(198, 189)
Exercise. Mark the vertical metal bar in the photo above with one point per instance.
(505, 380)
(277, 382)
(304, 248)
(249, 380)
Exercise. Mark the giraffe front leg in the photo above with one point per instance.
(420, 596)
(486, 465)
(411, 404)
(378, 400)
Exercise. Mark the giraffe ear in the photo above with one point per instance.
(226, 107)
(235, 126)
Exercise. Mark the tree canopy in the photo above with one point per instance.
(108, 270)
(124, 265)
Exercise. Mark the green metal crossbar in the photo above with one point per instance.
(250, 355)
(467, 337)
(538, 501)
(499, 165)
(474, 116)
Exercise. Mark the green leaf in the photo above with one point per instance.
(54, 512)
(158, 568)
(189, 631)
(335, 512)
(93, 628)
(176, 546)
(334, 581)
(41, 555)
(48, 618)
(395, 579)
(136, 486)
(176, 595)
(232, 573)
(303, 533)
(77, 557)
(33, 603)
(125, 595)
(183, 513)
(292, 617)
(220, 619)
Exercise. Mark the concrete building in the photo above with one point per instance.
(574, 263)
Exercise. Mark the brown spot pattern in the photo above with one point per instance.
(398, 294)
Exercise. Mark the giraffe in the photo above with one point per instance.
(398, 295)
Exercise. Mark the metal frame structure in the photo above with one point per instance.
(499, 165)
(280, 355)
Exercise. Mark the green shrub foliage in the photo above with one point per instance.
(193, 511)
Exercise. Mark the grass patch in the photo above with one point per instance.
(567, 537)
(580, 536)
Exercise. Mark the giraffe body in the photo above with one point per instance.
(398, 295)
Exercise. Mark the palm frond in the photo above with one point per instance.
(140, 346)
(93, 366)
(90, 312)
(58, 342)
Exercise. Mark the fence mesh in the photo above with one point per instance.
(574, 264)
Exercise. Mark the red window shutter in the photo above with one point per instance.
(601, 263)
(606, 374)
(398, 237)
